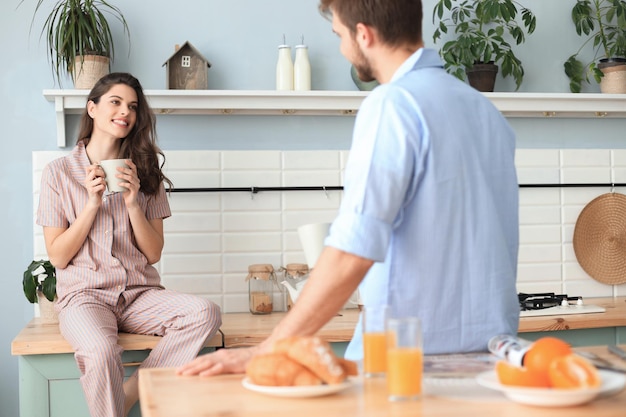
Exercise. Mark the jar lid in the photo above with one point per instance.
(301, 46)
(260, 271)
(297, 269)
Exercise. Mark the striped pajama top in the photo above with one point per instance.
(109, 259)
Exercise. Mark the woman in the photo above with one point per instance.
(103, 246)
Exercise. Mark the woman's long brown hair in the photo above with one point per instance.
(140, 144)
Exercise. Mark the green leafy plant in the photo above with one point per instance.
(481, 28)
(75, 28)
(40, 276)
(604, 24)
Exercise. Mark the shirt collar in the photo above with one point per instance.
(422, 58)
(79, 161)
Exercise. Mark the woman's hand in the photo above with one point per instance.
(95, 184)
(132, 182)
(222, 361)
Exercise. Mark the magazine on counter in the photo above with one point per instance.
(459, 365)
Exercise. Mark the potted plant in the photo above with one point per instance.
(481, 29)
(604, 24)
(79, 39)
(40, 286)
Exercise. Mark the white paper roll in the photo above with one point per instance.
(312, 239)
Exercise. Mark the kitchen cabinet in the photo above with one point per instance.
(49, 385)
(49, 378)
(332, 103)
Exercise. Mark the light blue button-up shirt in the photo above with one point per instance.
(431, 195)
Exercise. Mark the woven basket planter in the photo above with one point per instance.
(614, 76)
(88, 70)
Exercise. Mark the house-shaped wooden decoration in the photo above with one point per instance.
(187, 69)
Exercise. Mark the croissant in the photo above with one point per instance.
(276, 369)
(299, 361)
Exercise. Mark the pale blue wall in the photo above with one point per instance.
(239, 37)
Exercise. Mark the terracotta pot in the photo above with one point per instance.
(614, 79)
(47, 313)
(482, 76)
(88, 70)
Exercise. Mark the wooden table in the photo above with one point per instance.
(164, 394)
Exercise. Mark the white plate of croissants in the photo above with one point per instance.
(299, 367)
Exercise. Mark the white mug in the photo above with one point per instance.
(109, 166)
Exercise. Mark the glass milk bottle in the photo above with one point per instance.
(302, 69)
(284, 68)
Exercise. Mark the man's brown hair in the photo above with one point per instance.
(397, 22)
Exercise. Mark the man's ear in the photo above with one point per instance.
(364, 35)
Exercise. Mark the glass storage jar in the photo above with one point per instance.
(261, 288)
(294, 274)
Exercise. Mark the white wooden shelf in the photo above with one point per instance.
(334, 103)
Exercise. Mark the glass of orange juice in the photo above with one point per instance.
(374, 340)
(405, 358)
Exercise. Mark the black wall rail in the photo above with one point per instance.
(255, 190)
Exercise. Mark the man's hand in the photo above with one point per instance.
(223, 361)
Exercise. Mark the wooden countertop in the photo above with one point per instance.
(164, 394)
(238, 329)
(43, 338)
(615, 316)
(244, 329)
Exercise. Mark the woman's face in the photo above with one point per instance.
(115, 114)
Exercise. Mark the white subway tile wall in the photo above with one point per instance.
(212, 237)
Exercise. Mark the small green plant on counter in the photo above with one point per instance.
(481, 28)
(40, 276)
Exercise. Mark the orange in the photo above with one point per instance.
(573, 371)
(509, 374)
(542, 352)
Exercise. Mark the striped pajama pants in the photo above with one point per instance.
(91, 326)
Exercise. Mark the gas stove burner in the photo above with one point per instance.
(540, 301)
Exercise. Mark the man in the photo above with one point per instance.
(430, 207)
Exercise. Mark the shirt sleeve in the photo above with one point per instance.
(158, 207)
(50, 210)
(381, 174)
